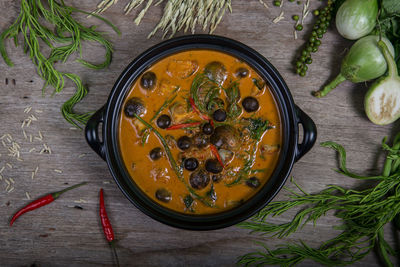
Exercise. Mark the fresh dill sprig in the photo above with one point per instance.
(363, 213)
(64, 40)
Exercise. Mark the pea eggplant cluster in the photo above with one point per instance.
(320, 28)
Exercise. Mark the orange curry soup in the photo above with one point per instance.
(209, 133)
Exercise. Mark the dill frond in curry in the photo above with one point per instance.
(363, 213)
(64, 40)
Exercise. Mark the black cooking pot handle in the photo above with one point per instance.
(92, 133)
(309, 134)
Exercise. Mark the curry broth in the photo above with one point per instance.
(151, 175)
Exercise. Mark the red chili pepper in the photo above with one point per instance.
(105, 223)
(204, 117)
(214, 150)
(47, 199)
(183, 125)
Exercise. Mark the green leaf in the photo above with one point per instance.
(202, 91)
(257, 127)
(391, 6)
(212, 194)
(259, 83)
(188, 200)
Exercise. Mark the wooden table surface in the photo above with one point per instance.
(68, 232)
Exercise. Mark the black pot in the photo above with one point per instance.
(291, 116)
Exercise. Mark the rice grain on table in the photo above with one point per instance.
(31, 150)
(11, 189)
(47, 148)
(279, 18)
(263, 3)
(8, 184)
(306, 11)
(14, 150)
(38, 111)
(2, 169)
(9, 165)
(27, 110)
(32, 117)
(58, 171)
(27, 195)
(35, 172)
(80, 201)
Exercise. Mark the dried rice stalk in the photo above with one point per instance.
(186, 15)
(104, 5)
(179, 14)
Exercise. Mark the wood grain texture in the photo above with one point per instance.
(62, 235)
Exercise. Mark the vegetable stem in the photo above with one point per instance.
(183, 125)
(391, 165)
(171, 159)
(106, 225)
(114, 250)
(178, 171)
(59, 193)
(382, 249)
(332, 85)
(392, 67)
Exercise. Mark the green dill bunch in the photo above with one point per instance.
(64, 39)
(363, 216)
